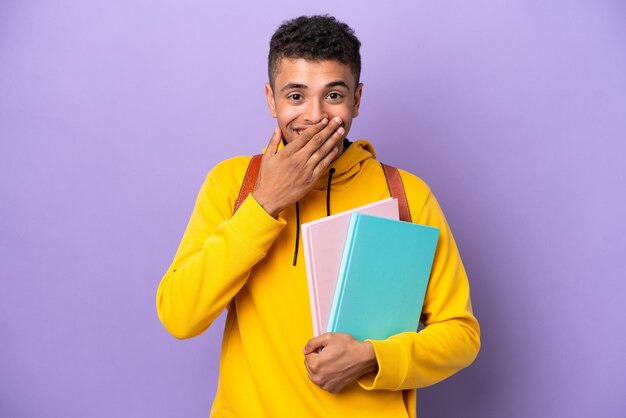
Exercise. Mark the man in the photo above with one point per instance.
(250, 262)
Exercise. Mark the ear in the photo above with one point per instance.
(357, 100)
(271, 103)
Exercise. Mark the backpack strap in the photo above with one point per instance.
(396, 189)
(249, 180)
(392, 175)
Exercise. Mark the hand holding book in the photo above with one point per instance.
(334, 360)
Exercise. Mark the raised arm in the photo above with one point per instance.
(219, 249)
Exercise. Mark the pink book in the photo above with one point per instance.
(324, 241)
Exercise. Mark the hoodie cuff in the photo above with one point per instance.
(255, 226)
(393, 366)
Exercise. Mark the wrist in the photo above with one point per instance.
(370, 363)
(267, 205)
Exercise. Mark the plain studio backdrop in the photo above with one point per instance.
(112, 112)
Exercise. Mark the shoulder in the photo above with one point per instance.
(230, 170)
(414, 183)
(417, 192)
(224, 180)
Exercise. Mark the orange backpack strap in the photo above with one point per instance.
(249, 180)
(396, 189)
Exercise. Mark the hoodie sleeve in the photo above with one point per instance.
(450, 339)
(216, 254)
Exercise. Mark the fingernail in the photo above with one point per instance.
(337, 119)
(324, 121)
(341, 130)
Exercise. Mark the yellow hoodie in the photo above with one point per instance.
(243, 262)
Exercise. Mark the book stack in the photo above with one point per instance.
(367, 271)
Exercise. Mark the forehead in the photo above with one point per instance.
(311, 73)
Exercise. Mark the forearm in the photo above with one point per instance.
(415, 360)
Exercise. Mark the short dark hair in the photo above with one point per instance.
(315, 38)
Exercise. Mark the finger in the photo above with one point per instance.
(305, 136)
(317, 141)
(311, 347)
(314, 129)
(334, 142)
(325, 162)
(325, 154)
(315, 344)
(272, 146)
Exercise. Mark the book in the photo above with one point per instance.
(324, 240)
(383, 277)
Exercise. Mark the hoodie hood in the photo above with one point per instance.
(347, 165)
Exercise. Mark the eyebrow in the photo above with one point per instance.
(338, 83)
(292, 86)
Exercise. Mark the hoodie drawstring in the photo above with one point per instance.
(295, 251)
(330, 176)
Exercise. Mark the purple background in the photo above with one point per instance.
(112, 112)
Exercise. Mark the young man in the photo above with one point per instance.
(249, 261)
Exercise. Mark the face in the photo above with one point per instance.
(305, 92)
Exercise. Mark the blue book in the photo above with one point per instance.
(383, 277)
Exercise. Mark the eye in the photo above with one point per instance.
(296, 97)
(335, 96)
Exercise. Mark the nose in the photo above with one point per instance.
(315, 111)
